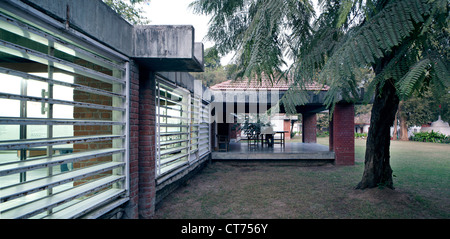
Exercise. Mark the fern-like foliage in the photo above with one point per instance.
(374, 40)
(405, 42)
(395, 39)
(260, 32)
(412, 79)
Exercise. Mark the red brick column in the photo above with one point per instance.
(342, 134)
(330, 131)
(131, 209)
(287, 127)
(147, 114)
(142, 144)
(309, 125)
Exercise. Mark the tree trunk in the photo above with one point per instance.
(403, 125)
(394, 134)
(377, 169)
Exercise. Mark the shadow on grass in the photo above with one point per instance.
(260, 190)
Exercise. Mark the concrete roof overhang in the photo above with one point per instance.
(158, 48)
(168, 48)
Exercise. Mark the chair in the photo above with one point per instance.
(223, 141)
(253, 140)
(270, 140)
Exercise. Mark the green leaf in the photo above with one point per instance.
(409, 81)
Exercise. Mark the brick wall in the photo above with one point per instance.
(146, 149)
(141, 135)
(92, 114)
(309, 125)
(342, 136)
(131, 208)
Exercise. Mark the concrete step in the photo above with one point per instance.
(321, 155)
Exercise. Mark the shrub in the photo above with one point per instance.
(434, 137)
(293, 133)
(322, 134)
(360, 135)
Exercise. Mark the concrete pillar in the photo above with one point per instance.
(309, 126)
(342, 134)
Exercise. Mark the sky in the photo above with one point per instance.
(176, 12)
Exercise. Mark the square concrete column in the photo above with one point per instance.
(342, 134)
(309, 126)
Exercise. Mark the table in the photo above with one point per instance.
(280, 140)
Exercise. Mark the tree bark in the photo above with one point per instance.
(377, 169)
(403, 125)
(394, 134)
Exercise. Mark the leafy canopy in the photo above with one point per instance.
(129, 10)
(405, 42)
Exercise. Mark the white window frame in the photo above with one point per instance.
(194, 136)
(180, 146)
(91, 206)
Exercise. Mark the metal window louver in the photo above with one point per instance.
(53, 166)
(182, 129)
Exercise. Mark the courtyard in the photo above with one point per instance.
(287, 190)
(101, 118)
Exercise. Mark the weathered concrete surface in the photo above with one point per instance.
(158, 48)
(163, 41)
(198, 52)
(93, 18)
(167, 48)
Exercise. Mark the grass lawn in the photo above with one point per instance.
(261, 190)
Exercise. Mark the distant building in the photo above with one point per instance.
(362, 123)
(438, 126)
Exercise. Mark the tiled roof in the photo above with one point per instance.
(362, 119)
(265, 83)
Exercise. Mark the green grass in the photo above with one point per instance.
(261, 190)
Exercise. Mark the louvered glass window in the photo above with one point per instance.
(182, 129)
(172, 125)
(63, 124)
(204, 144)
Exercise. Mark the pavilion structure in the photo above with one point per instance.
(231, 98)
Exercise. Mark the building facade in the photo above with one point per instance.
(101, 119)
(97, 116)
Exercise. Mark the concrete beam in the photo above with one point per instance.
(158, 48)
(93, 18)
(167, 48)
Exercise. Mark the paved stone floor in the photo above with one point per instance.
(277, 148)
